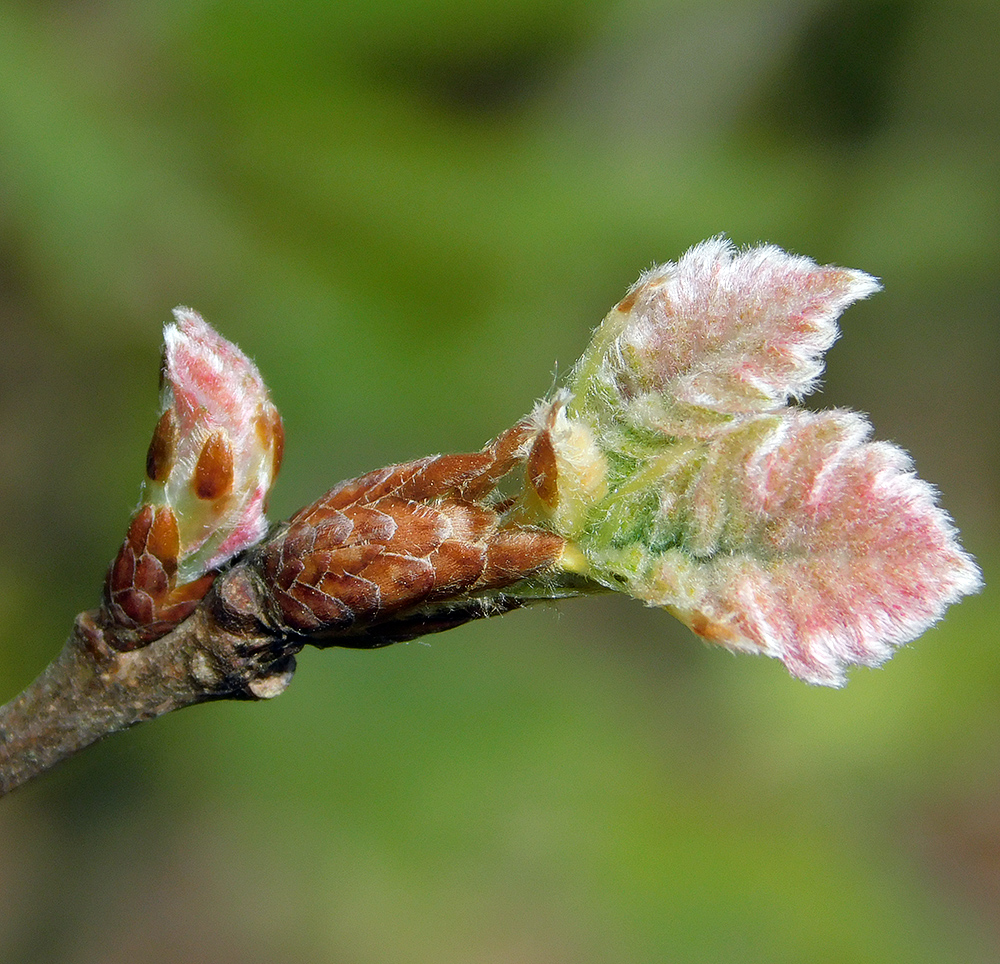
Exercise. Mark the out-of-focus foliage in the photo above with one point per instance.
(408, 213)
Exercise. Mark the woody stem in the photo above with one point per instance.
(90, 690)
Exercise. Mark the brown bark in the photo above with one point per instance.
(91, 689)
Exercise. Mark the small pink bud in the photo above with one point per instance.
(215, 452)
(217, 448)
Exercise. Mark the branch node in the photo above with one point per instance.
(274, 680)
(89, 635)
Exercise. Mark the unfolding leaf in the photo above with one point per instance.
(826, 552)
(762, 526)
(725, 330)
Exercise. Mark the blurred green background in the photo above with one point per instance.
(411, 213)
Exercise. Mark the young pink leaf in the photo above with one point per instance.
(829, 551)
(731, 331)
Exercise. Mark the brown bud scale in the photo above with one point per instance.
(163, 540)
(543, 470)
(140, 596)
(270, 428)
(404, 548)
(163, 448)
(214, 472)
